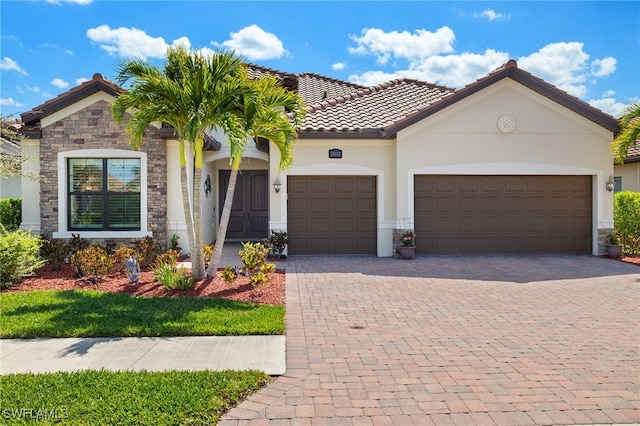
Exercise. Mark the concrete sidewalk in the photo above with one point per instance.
(264, 353)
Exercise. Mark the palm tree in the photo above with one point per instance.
(192, 93)
(270, 112)
(628, 137)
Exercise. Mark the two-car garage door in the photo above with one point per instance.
(503, 214)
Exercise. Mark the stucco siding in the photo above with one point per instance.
(465, 139)
(630, 174)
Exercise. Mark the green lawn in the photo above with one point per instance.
(90, 313)
(124, 398)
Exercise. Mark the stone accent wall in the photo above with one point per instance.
(94, 128)
(602, 239)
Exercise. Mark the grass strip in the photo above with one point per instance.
(90, 313)
(141, 398)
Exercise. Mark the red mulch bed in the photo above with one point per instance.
(631, 259)
(48, 278)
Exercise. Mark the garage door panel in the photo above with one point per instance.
(341, 212)
(517, 214)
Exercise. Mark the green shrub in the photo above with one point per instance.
(55, 251)
(10, 213)
(626, 216)
(229, 274)
(77, 243)
(121, 254)
(277, 242)
(19, 255)
(207, 252)
(254, 257)
(172, 277)
(149, 249)
(94, 262)
(169, 257)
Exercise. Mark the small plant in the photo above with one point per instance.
(94, 262)
(408, 239)
(174, 242)
(254, 256)
(54, 251)
(149, 249)
(120, 256)
(277, 242)
(169, 257)
(172, 277)
(229, 274)
(612, 238)
(77, 243)
(19, 255)
(207, 251)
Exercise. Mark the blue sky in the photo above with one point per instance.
(589, 49)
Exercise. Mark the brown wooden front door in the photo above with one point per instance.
(250, 210)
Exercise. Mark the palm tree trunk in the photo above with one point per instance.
(186, 206)
(224, 220)
(197, 256)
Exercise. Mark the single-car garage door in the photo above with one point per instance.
(331, 214)
(503, 214)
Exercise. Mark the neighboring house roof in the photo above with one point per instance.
(8, 147)
(633, 154)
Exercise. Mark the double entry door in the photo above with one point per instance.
(250, 210)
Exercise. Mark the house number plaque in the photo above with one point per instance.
(335, 153)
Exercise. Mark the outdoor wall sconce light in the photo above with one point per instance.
(207, 186)
(277, 185)
(611, 184)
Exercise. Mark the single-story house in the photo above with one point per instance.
(507, 164)
(627, 175)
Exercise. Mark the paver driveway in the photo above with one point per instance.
(463, 340)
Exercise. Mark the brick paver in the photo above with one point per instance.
(516, 340)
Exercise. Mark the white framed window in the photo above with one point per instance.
(102, 193)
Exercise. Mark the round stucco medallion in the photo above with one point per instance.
(506, 123)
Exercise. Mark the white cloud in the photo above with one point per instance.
(603, 67)
(58, 82)
(80, 2)
(69, 52)
(81, 80)
(609, 93)
(491, 15)
(608, 105)
(10, 102)
(339, 66)
(561, 64)
(8, 64)
(402, 45)
(128, 42)
(255, 44)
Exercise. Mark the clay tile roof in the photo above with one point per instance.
(633, 155)
(315, 88)
(366, 111)
(88, 88)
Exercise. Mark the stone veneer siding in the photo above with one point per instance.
(94, 128)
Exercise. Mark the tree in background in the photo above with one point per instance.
(629, 134)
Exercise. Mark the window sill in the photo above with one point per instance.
(103, 234)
